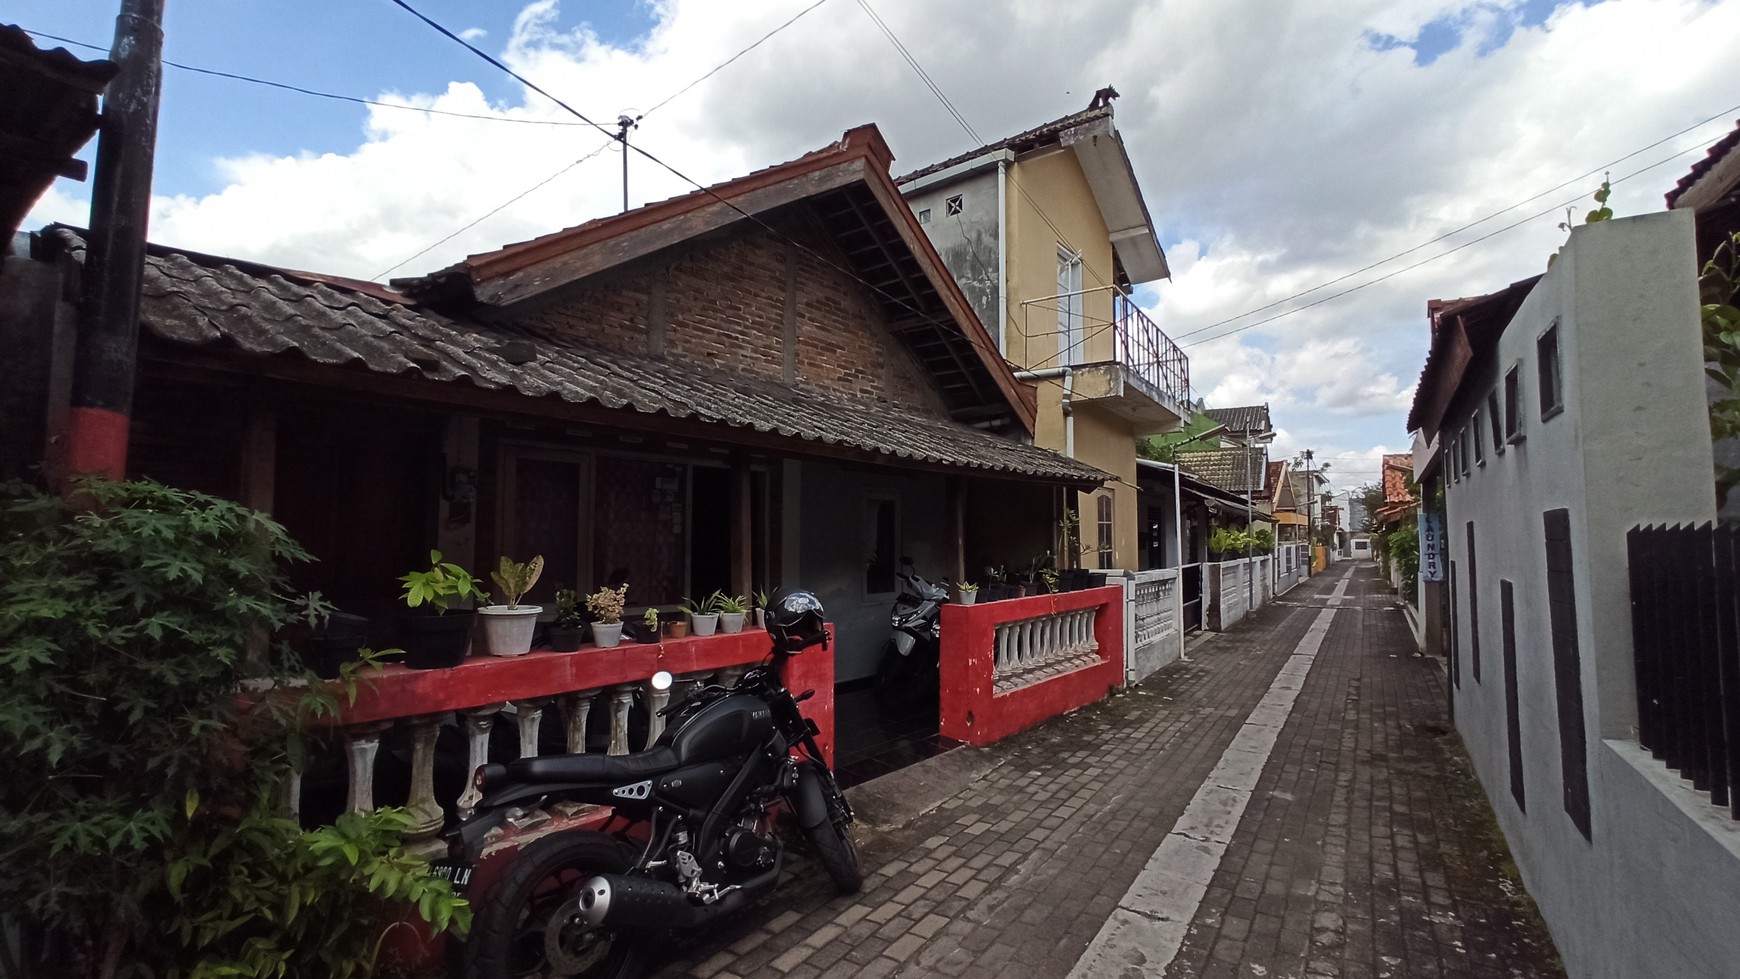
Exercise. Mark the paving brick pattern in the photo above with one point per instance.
(1351, 859)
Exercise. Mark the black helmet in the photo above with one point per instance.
(797, 621)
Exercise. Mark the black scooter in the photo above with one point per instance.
(911, 658)
(694, 834)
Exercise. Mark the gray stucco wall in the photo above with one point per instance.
(967, 241)
(832, 552)
(1653, 892)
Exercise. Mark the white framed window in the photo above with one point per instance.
(1071, 332)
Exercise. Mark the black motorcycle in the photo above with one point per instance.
(911, 657)
(698, 839)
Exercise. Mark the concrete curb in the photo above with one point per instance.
(898, 798)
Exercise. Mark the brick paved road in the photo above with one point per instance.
(1364, 851)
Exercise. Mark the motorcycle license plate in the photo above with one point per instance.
(453, 872)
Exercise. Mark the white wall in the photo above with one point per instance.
(1654, 890)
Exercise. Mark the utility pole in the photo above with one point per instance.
(624, 123)
(106, 354)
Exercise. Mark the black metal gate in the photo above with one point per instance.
(1686, 646)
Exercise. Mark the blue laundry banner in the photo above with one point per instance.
(1431, 546)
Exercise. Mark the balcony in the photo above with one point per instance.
(1148, 352)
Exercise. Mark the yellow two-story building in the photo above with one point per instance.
(1047, 232)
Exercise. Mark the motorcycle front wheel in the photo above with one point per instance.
(832, 839)
(521, 928)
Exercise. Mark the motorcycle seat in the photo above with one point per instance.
(594, 768)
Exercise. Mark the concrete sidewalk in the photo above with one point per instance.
(1341, 833)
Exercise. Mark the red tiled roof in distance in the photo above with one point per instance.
(1398, 469)
(1713, 157)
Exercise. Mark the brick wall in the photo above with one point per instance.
(724, 305)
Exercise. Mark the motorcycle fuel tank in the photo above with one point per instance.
(725, 728)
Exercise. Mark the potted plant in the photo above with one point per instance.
(568, 629)
(678, 628)
(607, 604)
(761, 601)
(507, 629)
(732, 611)
(703, 614)
(996, 587)
(439, 638)
(648, 631)
(969, 593)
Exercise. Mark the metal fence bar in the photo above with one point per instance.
(1728, 658)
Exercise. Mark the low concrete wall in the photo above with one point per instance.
(1225, 594)
(1153, 618)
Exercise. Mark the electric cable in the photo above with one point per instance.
(1478, 221)
(1426, 261)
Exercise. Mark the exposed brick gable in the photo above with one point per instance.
(724, 304)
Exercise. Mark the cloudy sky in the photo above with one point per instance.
(1289, 152)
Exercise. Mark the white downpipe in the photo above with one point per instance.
(1178, 538)
(1003, 259)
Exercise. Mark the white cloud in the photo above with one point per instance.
(1277, 147)
(474, 34)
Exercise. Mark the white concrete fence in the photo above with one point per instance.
(1031, 650)
(1153, 617)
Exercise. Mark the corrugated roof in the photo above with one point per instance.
(1461, 329)
(1230, 469)
(1243, 419)
(255, 310)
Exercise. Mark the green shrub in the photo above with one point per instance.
(139, 808)
(1402, 547)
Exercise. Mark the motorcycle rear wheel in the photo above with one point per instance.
(509, 933)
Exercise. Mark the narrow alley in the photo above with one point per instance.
(1290, 802)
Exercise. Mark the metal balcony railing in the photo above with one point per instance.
(1145, 349)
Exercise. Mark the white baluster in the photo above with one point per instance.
(576, 710)
(621, 698)
(1000, 650)
(361, 743)
(478, 721)
(531, 716)
(656, 700)
(424, 811)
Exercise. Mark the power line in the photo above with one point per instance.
(1426, 261)
(710, 192)
(726, 63)
(922, 74)
(493, 211)
(319, 94)
(1478, 221)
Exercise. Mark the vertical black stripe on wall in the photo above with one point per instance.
(1455, 632)
(1512, 709)
(1567, 667)
(1473, 608)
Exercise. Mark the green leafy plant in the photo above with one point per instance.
(1226, 540)
(996, 575)
(1262, 541)
(1718, 288)
(140, 812)
(1069, 535)
(608, 603)
(515, 579)
(705, 605)
(761, 599)
(567, 610)
(441, 585)
(967, 587)
(651, 619)
(1402, 547)
(729, 604)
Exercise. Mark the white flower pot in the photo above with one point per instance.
(704, 625)
(731, 623)
(606, 635)
(761, 618)
(507, 629)
(968, 597)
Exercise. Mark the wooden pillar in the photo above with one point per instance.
(259, 480)
(742, 528)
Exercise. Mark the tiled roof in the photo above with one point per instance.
(1020, 142)
(1272, 478)
(1461, 329)
(262, 311)
(1712, 156)
(49, 112)
(1242, 419)
(1398, 469)
(1228, 468)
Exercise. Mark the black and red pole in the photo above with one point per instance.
(108, 330)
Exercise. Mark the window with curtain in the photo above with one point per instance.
(1105, 520)
(1071, 335)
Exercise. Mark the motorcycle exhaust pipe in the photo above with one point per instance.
(619, 901)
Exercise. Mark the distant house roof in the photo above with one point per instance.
(1398, 470)
(1218, 499)
(1230, 469)
(49, 112)
(842, 188)
(1272, 479)
(1462, 330)
(299, 320)
(1100, 150)
(1243, 420)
